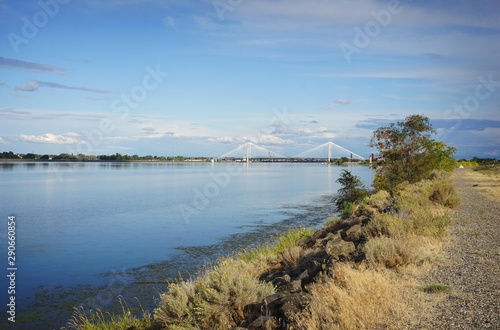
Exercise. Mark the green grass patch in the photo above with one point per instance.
(282, 242)
(466, 163)
(332, 221)
(98, 320)
(437, 288)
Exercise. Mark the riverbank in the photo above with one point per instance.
(471, 259)
(354, 273)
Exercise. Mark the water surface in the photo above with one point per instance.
(77, 223)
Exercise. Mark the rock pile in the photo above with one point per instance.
(315, 259)
(340, 241)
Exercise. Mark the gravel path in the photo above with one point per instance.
(471, 263)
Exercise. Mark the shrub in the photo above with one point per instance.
(352, 191)
(439, 190)
(215, 300)
(389, 252)
(383, 224)
(415, 211)
(381, 200)
(443, 192)
(347, 210)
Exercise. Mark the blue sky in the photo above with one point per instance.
(202, 77)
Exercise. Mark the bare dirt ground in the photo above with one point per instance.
(471, 261)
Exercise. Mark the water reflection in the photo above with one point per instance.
(30, 166)
(7, 166)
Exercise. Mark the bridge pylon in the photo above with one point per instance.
(330, 147)
(249, 150)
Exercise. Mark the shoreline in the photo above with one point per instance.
(291, 161)
(187, 260)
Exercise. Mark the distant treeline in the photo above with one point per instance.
(475, 161)
(9, 155)
(115, 157)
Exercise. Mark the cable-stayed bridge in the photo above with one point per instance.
(323, 153)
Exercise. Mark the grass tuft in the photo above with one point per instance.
(98, 320)
(437, 288)
(269, 251)
(357, 298)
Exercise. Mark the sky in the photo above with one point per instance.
(200, 78)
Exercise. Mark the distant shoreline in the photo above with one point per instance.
(294, 161)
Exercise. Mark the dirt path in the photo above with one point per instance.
(471, 262)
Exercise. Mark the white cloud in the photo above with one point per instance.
(342, 101)
(267, 139)
(493, 153)
(2, 141)
(50, 138)
(295, 14)
(224, 139)
(30, 86)
(262, 139)
(168, 21)
(327, 135)
(349, 13)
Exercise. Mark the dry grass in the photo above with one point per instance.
(413, 232)
(384, 224)
(291, 256)
(358, 299)
(424, 194)
(488, 182)
(392, 252)
(403, 239)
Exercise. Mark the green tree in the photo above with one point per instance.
(29, 156)
(442, 156)
(352, 191)
(408, 152)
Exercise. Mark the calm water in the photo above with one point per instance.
(78, 221)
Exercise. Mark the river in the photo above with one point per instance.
(89, 232)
